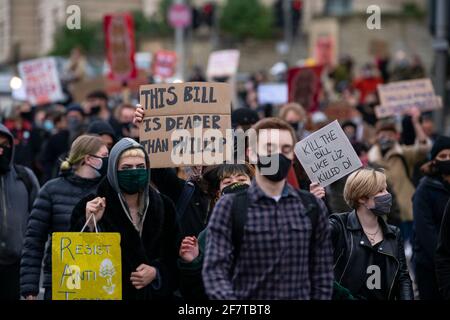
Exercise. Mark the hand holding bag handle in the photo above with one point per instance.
(92, 216)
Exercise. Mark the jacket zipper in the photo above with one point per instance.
(143, 219)
(395, 275)
(337, 260)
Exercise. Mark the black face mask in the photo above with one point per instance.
(104, 168)
(95, 110)
(443, 167)
(268, 164)
(127, 125)
(235, 187)
(27, 115)
(5, 159)
(294, 125)
(386, 145)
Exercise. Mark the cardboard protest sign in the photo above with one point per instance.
(223, 63)
(120, 47)
(41, 81)
(186, 123)
(86, 266)
(305, 86)
(272, 93)
(399, 97)
(327, 155)
(164, 64)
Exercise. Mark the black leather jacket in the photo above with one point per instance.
(353, 253)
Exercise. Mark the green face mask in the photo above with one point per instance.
(132, 181)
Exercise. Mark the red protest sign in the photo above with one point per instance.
(305, 87)
(164, 63)
(120, 47)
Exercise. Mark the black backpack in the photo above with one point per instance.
(239, 210)
(23, 175)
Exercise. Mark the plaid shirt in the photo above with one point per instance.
(273, 261)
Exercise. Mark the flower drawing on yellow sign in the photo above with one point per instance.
(107, 271)
(86, 266)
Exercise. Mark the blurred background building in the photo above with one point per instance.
(32, 31)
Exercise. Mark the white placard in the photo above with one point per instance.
(41, 81)
(272, 93)
(223, 63)
(327, 155)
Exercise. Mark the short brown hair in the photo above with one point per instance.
(274, 123)
(118, 109)
(385, 125)
(292, 106)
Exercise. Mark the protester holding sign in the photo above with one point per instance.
(191, 200)
(264, 243)
(82, 172)
(369, 259)
(398, 161)
(127, 204)
(429, 203)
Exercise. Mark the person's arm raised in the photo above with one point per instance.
(138, 115)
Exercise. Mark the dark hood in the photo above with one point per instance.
(113, 163)
(4, 130)
(435, 183)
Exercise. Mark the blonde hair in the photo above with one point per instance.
(298, 109)
(82, 146)
(363, 183)
(133, 152)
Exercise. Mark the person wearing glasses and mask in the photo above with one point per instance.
(369, 259)
(429, 201)
(126, 203)
(81, 174)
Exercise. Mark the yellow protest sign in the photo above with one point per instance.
(86, 266)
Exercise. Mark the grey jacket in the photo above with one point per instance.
(14, 210)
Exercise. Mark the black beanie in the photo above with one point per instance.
(441, 143)
(244, 116)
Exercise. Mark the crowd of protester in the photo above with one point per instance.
(234, 231)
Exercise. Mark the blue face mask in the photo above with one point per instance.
(48, 125)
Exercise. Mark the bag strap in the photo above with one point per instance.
(23, 175)
(312, 209)
(239, 210)
(92, 216)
